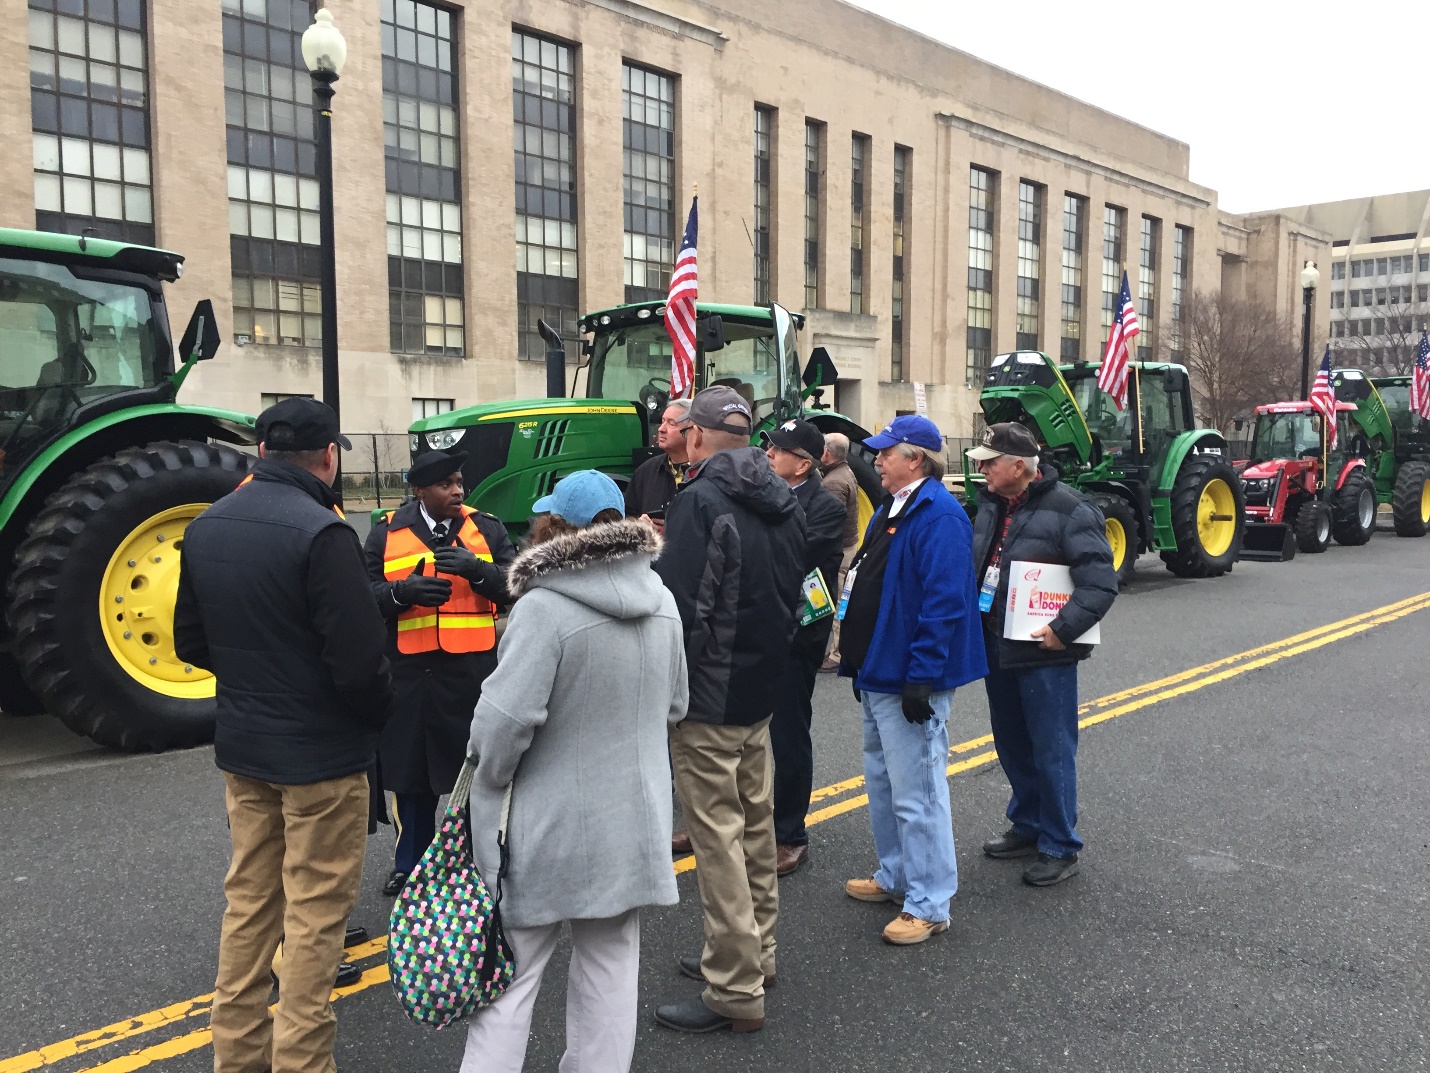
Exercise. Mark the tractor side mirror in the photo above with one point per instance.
(1174, 381)
(820, 369)
(201, 338)
(1238, 424)
(712, 336)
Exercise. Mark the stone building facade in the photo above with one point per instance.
(515, 159)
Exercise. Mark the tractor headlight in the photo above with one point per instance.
(443, 438)
(1257, 484)
(414, 443)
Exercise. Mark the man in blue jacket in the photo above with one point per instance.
(910, 637)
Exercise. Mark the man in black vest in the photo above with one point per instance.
(794, 451)
(272, 600)
(438, 571)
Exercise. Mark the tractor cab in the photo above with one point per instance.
(1159, 409)
(83, 332)
(749, 348)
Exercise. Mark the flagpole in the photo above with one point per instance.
(1136, 376)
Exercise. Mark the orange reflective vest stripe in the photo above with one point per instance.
(467, 621)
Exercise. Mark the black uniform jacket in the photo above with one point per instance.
(426, 738)
(824, 518)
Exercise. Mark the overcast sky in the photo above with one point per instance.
(1250, 85)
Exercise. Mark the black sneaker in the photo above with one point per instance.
(1049, 870)
(1010, 845)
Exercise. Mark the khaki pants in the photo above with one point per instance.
(843, 572)
(723, 779)
(297, 862)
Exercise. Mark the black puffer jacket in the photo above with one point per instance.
(733, 559)
(1055, 525)
(274, 600)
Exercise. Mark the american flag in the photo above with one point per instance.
(1420, 382)
(1323, 396)
(680, 312)
(1117, 358)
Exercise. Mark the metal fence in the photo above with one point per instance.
(375, 470)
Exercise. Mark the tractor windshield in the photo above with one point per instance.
(634, 363)
(1289, 435)
(66, 340)
(1397, 404)
(1113, 427)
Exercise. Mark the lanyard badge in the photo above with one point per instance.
(989, 589)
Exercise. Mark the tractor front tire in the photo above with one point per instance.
(1208, 518)
(1120, 522)
(1410, 502)
(91, 600)
(1312, 527)
(1353, 510)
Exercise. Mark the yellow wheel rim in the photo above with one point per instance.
(866, 512)
(1425, 502)
(1216, 517)
(136, 606)
(1117, 537)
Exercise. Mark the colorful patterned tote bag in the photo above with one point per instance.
(446, 953)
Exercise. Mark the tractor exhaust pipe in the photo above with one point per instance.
(1267, 542)
(555, 361)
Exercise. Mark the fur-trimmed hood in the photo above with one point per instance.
(606, 567)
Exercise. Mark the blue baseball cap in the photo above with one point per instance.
(580, 496)
(907, 428)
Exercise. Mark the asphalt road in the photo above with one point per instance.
(1253, 893)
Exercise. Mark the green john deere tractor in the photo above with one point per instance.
(1402, 469)
(100, 473)
(517, 451)
(1162, 483)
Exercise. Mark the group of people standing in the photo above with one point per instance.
(654, 637)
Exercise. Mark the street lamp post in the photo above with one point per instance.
(324, 53)
(1310, 276)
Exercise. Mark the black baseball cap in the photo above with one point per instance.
(1005, 438)
(800, 437)
(300, 424)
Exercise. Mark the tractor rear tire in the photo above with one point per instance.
(1207, 546)
(1312, 527)
(16, 698)
(1120, 522)
(98, 685)
(1410, 502)
(1353, 510)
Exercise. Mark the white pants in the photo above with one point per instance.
(601, 999)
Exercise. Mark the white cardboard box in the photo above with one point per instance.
(1036, 593)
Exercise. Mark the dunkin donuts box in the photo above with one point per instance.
(1036, 593)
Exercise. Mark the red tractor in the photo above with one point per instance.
(1298, 493)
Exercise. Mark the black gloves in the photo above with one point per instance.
(419, 590)
(917, 708)
(457, 560)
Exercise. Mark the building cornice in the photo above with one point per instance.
(663, 20)
(1009, 140)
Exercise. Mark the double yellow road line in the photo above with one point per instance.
(1098, 711)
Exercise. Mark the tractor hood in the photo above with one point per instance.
(1264, 470)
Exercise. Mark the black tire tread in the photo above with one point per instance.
(1345, 517)
(34, 590)
(1305, 528)
(1114, 506)
(1190, 560)
(1405, 500)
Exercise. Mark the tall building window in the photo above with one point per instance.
(430, 407)
(1074, 244)
(272, 176)
(1114, 230)
(813, 191)
(980, 272)
(90, 118)
(858, 221)
(424, 213)
(898, 328)
(1181, 280)
(1030, 245)
(1147, 288)
(648, 107)
(544, 104)
(764, 132)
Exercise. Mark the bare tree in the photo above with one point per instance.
(1384, 342)
(1239, 354)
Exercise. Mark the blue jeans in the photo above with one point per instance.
(906, 772)
(1034, 715)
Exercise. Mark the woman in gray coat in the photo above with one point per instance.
(589, 673)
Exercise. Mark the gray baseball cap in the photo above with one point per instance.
(722, 408)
